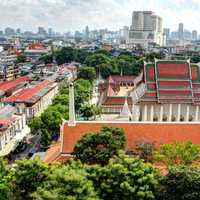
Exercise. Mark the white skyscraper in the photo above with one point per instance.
(146, 29)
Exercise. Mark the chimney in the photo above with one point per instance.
(72, 120)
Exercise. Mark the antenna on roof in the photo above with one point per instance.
(72, 119)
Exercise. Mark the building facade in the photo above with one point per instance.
(34, 100)
(146, 29)
(170, 91)
(13, 129)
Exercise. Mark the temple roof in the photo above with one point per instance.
(171, 82)
(159, 133)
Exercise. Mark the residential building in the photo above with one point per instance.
(35, 51)
(13, 129)
(9, 70)
(32, 101)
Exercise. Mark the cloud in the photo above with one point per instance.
(70, 15)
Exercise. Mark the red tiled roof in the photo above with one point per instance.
(5, 121)
(159, 133)
(171, 82)
(26, 94)
(117, 101)
(118, 78)
(36, 46)
(10, 85)
(53, 153)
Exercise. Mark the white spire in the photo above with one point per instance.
(72, 120)
(125, 112)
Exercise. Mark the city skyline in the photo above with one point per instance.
(68, 15)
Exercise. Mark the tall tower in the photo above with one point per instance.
(180, 31)
(72, 119)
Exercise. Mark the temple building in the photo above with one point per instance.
(115, 91)
(158, 132)
(170, 91)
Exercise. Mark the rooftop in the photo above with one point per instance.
(159, 133)
(30, 95)
(11, 85)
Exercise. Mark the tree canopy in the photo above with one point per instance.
(87, 73)
(98, 148)
(124, 178)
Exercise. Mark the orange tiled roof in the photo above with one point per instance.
(53, 153)
(159, 133)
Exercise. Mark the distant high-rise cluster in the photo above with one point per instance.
(181, 34)
(146, 29)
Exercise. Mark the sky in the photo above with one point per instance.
(71, 15)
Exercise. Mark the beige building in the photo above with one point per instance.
(13, 129)
(34, 100)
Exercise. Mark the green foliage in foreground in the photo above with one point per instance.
(98, 148)
(181, 153)
(182, 183)
(124, 178)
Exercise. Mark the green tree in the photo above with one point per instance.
(181, 183)
(21, 59)
(124, 178)
(67, 183)
(88, 110)
(83, 91)
(27, 176)
(105, 70)
(35, 125)
(195, 59)
(179, 153)
(65, 55)
(5, 177)
(47, 59)
(81, 55)
(52, 120)
(87, 73)
(98, 148)
(95, 60)
(62, 99)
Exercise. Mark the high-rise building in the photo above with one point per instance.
(124, 33)
(167, 33)
(187, 35)
(41, 31)
(18, 31)
(194, 35)
(174, 35)
(50, 31)
(9, 31)
(87, 32)
(181, 31)
(146, 28)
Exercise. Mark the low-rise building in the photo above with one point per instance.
(13, 129)
(32, 101)
(35, 51)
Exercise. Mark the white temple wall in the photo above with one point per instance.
(167, 112)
